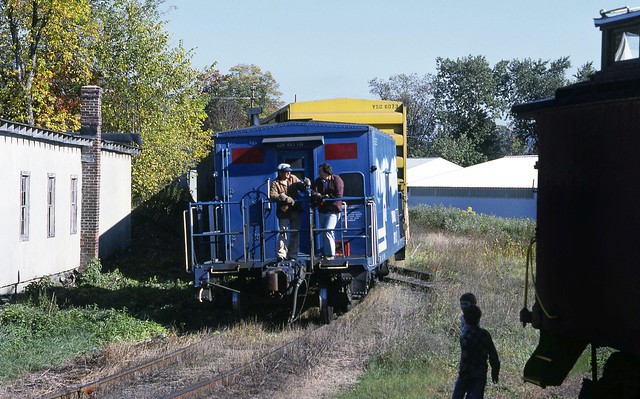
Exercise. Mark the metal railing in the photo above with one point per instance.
(212, 240)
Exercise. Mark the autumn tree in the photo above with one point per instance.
(416, 93)
(229, 96)
(150, 88)
(46, 57)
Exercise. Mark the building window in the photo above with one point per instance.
(74, 204)
(51, 206)
(24, 206)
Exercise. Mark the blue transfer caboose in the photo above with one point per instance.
(233, 237)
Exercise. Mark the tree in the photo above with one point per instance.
(229, 96)
(467, 106)
(46, 57)
(459, 150)
(416, 93)
(523, 81)
(584, 72)
(150, 88)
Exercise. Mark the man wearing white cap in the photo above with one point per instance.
(285, 189)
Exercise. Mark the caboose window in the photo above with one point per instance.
(620, 36)
(627, 48)
(353, 184)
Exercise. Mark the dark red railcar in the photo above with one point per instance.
(588, 238)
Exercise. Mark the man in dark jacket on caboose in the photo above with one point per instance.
(326, 187)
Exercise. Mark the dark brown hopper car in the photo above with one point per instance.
(588, 238)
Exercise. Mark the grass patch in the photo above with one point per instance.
(36, 337)
(140, 294)
(408, 378)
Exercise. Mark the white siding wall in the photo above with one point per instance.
(39, 255)
(115, 203)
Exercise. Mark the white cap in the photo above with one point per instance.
(285, 167)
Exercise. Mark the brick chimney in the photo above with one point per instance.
(91, 125)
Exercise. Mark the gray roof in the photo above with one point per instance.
(15, 129)
(39, 134)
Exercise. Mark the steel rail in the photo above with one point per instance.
(228, 376)
(92, 389)
(415, 273)
(412, 277)
(89, 390)
(410, 281)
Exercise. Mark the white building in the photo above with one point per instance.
(505, 187)
(66, 198)
(419, 169)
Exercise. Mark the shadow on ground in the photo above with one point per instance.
(162, 291)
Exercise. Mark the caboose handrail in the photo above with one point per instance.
(212, 229)
(374, 225)
(342, 231)
(214, 241)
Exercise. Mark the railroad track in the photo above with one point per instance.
(229, 376)
(95, 389)
(89, 390)
(405, 276)
(411, 277)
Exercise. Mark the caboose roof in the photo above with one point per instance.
(294, 128)
(618, 16)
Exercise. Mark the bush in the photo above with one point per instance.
(92, 276)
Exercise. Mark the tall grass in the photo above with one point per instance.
(465, 252)
(502, 232)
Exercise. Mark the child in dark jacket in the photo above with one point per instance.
(476, 346)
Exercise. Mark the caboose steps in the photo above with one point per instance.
(552, 360)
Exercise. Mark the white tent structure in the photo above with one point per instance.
(505, 187)
(423, 168)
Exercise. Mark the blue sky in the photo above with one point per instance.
(332, 48)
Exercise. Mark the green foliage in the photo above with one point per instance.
(466, 104)
(584, 72)
(45, 51)
(167, 202)
(230, 95)
(150, 88)
(522, 81)
(455, 114)
(92, 276)
(460, 150)
(32, 338)
(396, 378)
